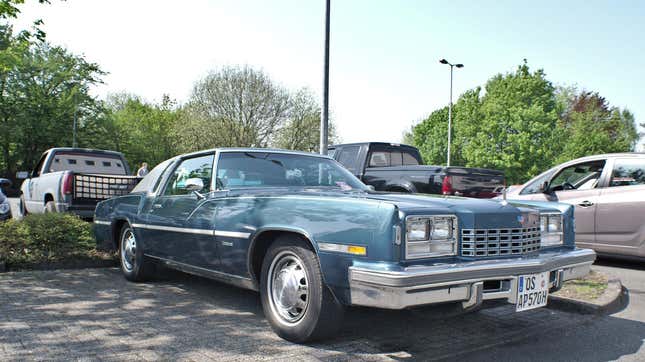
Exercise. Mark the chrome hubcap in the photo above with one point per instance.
(288, 287)
(128, 250)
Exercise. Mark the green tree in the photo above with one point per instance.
(141, 130)
(301, 130)
(243, 105)
(523, 125)
(516, 127)
(40, 91)
(592, 126)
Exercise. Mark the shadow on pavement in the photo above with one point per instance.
(95, 313)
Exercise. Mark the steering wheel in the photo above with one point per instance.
(568, 186)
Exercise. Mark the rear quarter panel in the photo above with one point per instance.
(110, 214)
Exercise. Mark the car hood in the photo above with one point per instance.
(476, 212)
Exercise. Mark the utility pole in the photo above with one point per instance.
(324, 119)
(75, 117)
(443, 61)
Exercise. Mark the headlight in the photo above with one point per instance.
(551, 229)
(5, 207)
(430, 236)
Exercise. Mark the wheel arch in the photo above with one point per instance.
(48, 197)
(262, 240)
(115, 230)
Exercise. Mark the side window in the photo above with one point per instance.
(409, 159)
(534, 186)
(39, 166)
(348, 157)
(198, 167)
(583, 176)
(396, 159)
(628, 172)
(379, 159)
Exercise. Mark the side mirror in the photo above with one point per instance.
(194, 184)
(544, 188)
(22, 175)
(5, 182)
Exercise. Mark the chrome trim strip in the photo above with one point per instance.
(228, 234)
(231, 234)
(101, 222)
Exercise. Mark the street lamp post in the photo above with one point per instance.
(459, 65)
(324, 120)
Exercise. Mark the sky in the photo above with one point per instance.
(384, 69)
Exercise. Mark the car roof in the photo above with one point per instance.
(371, 143)
(253, 149)
(83, 150)
(607, 155)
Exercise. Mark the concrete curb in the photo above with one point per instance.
(613, 299)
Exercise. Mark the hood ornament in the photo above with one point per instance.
(504, 202)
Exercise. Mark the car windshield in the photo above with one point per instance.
(265, 169)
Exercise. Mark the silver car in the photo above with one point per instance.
(608, 192)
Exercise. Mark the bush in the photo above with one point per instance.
(45, 238)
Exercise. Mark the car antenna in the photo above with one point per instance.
(504, 202)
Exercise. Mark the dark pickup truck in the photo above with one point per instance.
(399, 168)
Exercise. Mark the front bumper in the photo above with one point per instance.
(467, 282)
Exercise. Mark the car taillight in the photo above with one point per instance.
(67, 185)
(446, 186)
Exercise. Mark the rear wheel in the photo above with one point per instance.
(134, 265)
(50, 207)
(296, 302)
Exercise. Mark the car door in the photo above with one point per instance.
(620, 215)
(179, 222)
(578, 185)
(34, 199)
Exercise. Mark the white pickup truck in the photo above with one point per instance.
(74, 180)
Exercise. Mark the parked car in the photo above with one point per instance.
(311, 238)
(74, 180)
(608, 192)
(5, 207)
(399, 168)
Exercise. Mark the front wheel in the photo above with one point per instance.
(134, 265)
(295, 300)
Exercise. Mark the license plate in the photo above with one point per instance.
(532, 291)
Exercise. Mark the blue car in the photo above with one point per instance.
(312, 239)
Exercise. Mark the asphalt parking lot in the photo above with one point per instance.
(95, 314)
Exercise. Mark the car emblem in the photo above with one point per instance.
(520, 219)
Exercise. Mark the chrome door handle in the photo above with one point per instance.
(585, 203)
(157, 206)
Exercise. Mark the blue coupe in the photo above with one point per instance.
(312, 239)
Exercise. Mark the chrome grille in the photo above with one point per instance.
(494, 242)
